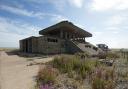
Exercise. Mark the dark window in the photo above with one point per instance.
(52, 40)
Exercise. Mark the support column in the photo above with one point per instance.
(23, 45)
(77, 37)
(84, 38)
(69, 35)
(61, 33)
(73, 36)
(27, 45)
(66, 35)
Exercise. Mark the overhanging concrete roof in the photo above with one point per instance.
(65, 25)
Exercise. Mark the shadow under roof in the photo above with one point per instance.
(66, 26)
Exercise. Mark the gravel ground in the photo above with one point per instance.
(14, 72)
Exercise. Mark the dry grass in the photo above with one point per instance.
(79, 69)
(8, 49)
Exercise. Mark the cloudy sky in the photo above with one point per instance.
(107, 20)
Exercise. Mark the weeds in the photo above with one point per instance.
(104, 79)
(46, 75)
(99, 76)
(111, 55)
(98, 83)
(74, 65)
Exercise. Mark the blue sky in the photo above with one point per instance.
(107, 20)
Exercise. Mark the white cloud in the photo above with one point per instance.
(59, 18)
(112, 39)
(112, 28)
(60, 4)
(16, 10)
(115, 32)
(115, 20)
(115, 24)
(10, 39)
(80, 25)
(12, 31)
(24, 12)
(101, 5)
(76, 3)
(17, 27)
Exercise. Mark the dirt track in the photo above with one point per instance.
(14, 72)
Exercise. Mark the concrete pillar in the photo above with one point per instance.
(73, 36)
(61, 33)
(84, 39)
(66, 34)
(21, 45)
(69, 35)
(27, 46)
(24, 45)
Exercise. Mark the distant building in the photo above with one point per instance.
(63, 37)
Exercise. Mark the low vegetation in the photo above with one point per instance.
(108, 55)
(73, 65)
(75, 69)
(46, 77)
(104, 79)
(111, 55)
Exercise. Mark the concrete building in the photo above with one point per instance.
(103, 47)
(63, 37)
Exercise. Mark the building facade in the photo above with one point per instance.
(63, 37)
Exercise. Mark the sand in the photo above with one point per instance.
(14, 72)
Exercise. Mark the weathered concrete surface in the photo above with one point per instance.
(14, 72)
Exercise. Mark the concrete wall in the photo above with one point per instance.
(48, 45)
(51, 45)
(72, 47)
(29, 45)
(35, 45)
